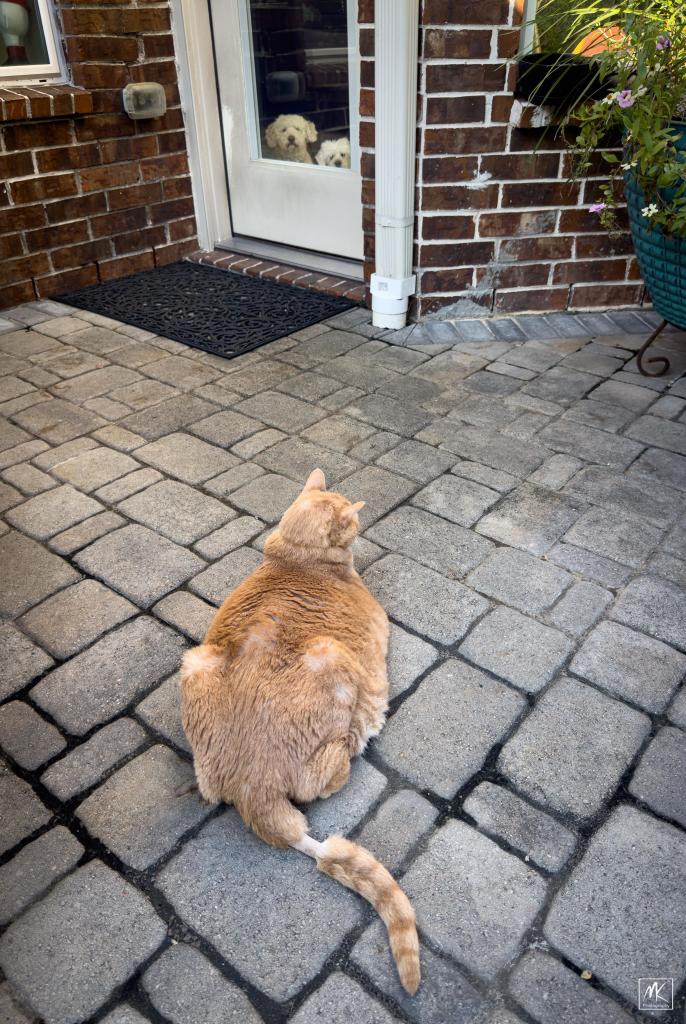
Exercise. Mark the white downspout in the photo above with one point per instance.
(396, 31)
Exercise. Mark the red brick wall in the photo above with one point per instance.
(497, 227)
(91, 196)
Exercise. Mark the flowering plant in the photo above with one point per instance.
(642, 62)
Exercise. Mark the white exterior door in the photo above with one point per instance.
(288, 77)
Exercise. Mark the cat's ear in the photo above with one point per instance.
(348, 513)
(315, 481)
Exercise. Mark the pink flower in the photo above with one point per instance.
(597, 207)
(663, 43)
(625, 99)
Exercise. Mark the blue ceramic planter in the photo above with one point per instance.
(662, 260)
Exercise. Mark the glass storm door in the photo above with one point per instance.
(288, 87)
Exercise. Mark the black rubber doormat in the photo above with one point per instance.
(214, 310)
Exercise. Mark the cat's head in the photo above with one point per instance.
(319, 518)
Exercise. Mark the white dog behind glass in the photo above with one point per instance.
(334, 153)
(288, 136)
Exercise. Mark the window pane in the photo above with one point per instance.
(22, 40)
(300, 53)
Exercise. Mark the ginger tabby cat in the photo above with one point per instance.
(291, 683)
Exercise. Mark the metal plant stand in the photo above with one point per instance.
(656, 359)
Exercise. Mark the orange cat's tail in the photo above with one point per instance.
(356, 868)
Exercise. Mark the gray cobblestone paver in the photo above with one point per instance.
(472, 899)
(137, 812)
(559, 757)
(296, 457)
(340, 1000)
(623, 538)
(667, 467)
(554, 994)
(29, 479)
(589, 566)
(439, 608)
(597, 920)
(659, 779)
(185, 987)
(636, 495)
(343, 811)
(21, 812)
(396, 826)
(34, 869)
(419, 461)
(408, 658)
(517, 648)
(161, 712)
(231, 901)
(593, 445)
(95, 468)
(443, 733)
(437, 543)
(379, 489)
(655, 606)
(22, 589)
(281, 411)
(124, 1014)
(233, 535)
(580, 607)
(520, 580)
(531, 518)
(26, 737)
(216, 582)
(57, 421)
(10, 1010)
(187, 613)
(677, 711)
(186, 457)
(71, 620)
(525, 493)
(20, 660)
(630, 665)
(266, 496)
(85, 532)
(167, 417)
(177, 511)
(527, 829)
(50, 513)
(496, 479)
(99, 683)
(446, 993)
(66, 954)
(460, 501)
(87, 763)
(140, 564)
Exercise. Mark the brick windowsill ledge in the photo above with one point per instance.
(327, 284)
(34, 102)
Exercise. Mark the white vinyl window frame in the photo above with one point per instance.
(38, 74)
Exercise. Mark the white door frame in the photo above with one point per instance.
(396, 70)
(199, 102)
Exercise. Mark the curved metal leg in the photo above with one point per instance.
(656, 359)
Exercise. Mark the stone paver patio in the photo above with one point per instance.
(525, 528)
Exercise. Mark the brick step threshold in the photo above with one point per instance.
(281, 272)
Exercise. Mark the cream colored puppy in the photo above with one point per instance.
(334, 153)
(288, 136)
